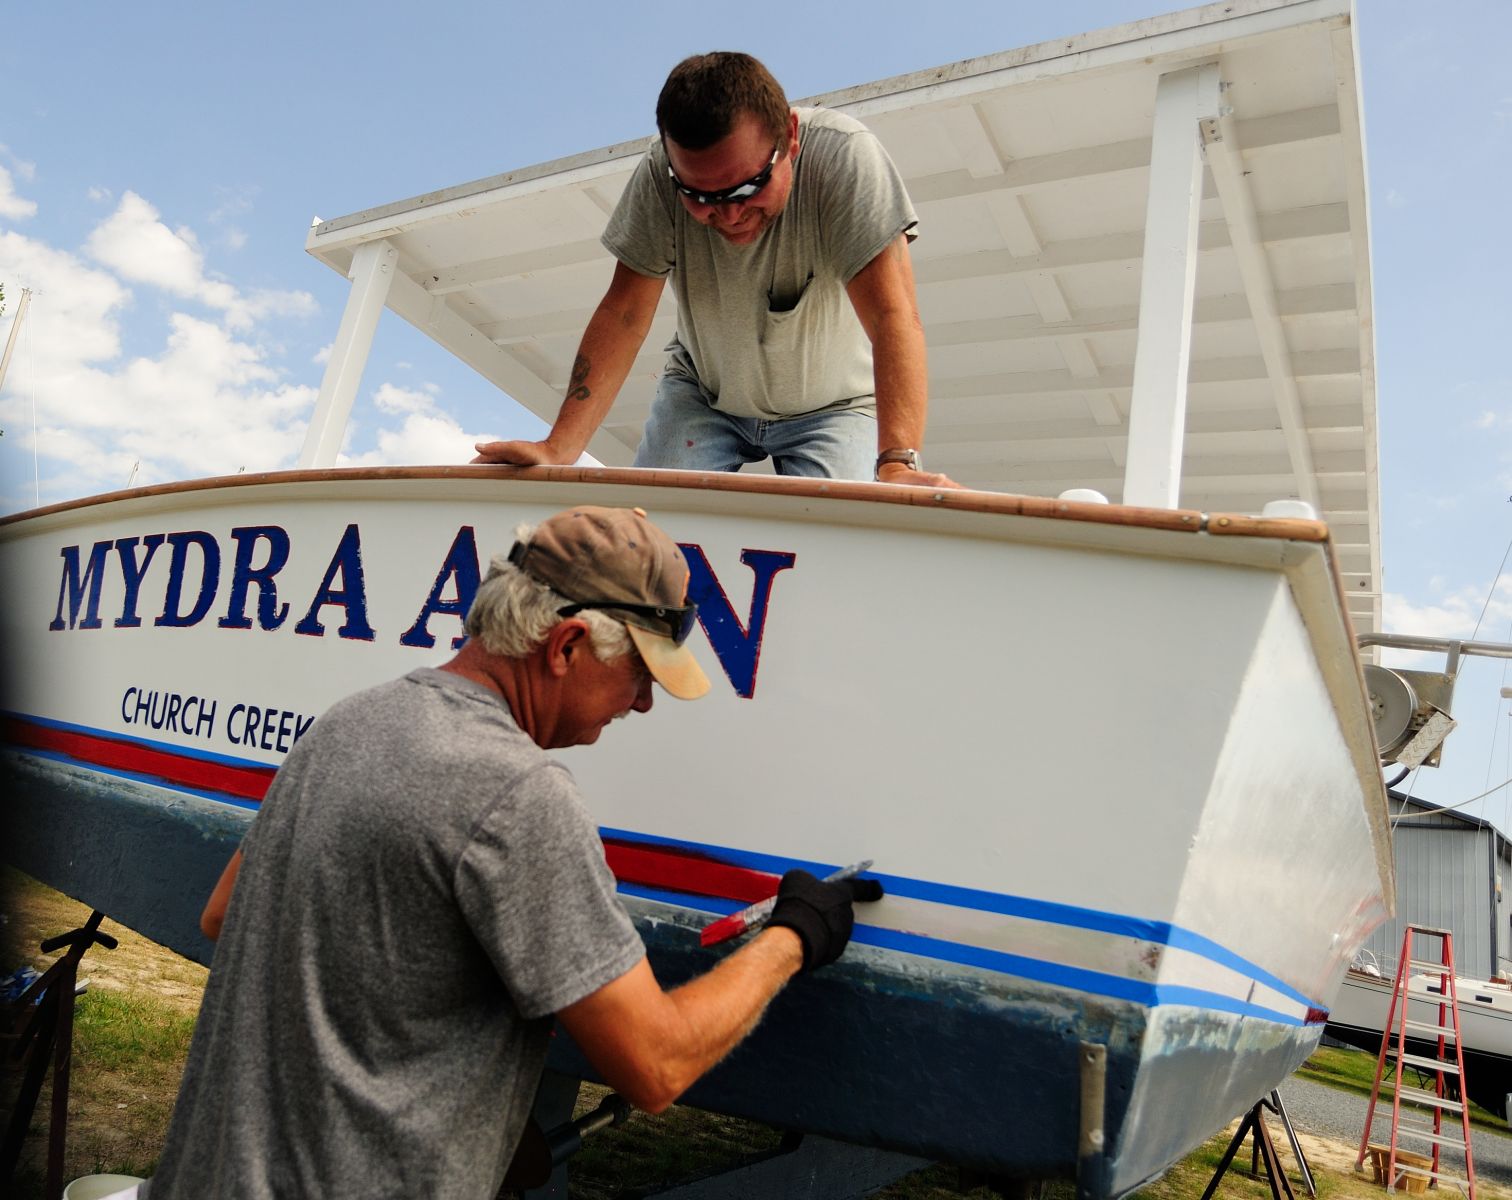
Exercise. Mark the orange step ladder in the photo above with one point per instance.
(1399, 1169)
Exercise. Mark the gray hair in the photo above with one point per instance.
(512, 613)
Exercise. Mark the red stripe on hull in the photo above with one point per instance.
(248, 783)
(679, 871)
(649, 866)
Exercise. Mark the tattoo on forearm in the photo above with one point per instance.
(577, 386)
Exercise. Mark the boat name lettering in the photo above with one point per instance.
(193, 716)
(267, 728)
(248, 725)
(244, 572)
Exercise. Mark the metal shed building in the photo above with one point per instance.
(1450, 869)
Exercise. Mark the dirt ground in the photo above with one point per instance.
(117, 1114)
(135, 965)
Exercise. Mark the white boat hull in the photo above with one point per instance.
(1115, 771)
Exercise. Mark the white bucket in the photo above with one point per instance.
(98, 1187)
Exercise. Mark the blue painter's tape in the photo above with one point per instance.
(1118, 924)
(1157, 932)
(1185, 939)
(1078, 979)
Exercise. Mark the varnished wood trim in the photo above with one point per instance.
(819, 489)
(1291, 528)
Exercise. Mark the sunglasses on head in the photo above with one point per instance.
(729, 195)
(675, 623)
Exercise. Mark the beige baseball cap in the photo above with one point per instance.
(615, 560)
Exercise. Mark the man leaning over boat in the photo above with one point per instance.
(785, 233)
(423, 890)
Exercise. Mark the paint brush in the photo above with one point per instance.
(755, 916)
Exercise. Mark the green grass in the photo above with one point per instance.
(1353, 1070)
(128, 1055)
(135, 1037)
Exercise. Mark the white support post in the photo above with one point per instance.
(1157, 412)
(373, 268)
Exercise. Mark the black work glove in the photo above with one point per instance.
(820, 913)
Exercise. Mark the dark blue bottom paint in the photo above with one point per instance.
(885, 1050)
(143, 856)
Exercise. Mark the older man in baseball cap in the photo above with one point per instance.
(424, 890)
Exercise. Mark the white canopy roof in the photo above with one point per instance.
(1032, 174)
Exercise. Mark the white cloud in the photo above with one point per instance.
(135, 243)
(323, 355)
(392, 399)
(101, 195)
(427, 433)
(1453, 616)
(234, 202)
(205, 400)
(12, 206)
(1395, 199)
(25, 170)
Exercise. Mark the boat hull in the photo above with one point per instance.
(1113, 767)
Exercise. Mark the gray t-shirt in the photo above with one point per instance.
(767, 329)
(422, 889)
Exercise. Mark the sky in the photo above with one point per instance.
(160, 165)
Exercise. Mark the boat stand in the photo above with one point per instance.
(1264, 1150)
(37, 1028)
(803, 1167)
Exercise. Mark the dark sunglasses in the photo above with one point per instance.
(675, 623)
(729, 195)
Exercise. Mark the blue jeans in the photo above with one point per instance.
(686, 433)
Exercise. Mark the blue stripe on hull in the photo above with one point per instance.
(1020, 907)
(1028, 908)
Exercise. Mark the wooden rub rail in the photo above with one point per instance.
(1178, 520)
(1292, 528)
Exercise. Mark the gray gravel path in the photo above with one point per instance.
(1325, 1111)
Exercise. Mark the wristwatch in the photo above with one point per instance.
(909, 457)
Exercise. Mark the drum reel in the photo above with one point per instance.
(1410, 727)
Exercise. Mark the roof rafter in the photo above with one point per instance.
(1225, 158)
(1316, 220)
(1024, 174)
